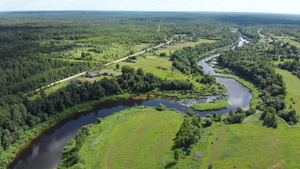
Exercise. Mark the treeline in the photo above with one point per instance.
(291, 66)
(32, 72)
(186, 59)
(18, 114)
(257, 67)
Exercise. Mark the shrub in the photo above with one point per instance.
(161, 107)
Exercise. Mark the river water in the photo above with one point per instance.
(45, 151)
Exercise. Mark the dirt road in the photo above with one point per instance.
(82, 73)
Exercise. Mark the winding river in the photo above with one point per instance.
(45, 151)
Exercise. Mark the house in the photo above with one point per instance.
(75, 81)
(150, 46)
(92, 74)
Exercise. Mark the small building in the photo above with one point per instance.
(150, 46)
(92, 74)
(151, 51)
(75, 81)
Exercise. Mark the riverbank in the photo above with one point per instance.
(134, 138)
(255, 92)
(35, 133)
(84, 108)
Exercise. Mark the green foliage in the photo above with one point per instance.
(176, 154)
(289, 116)
(163, 54)
(255, 66)
(293, 67)
(186, 59)
(131, 52)
(189, 134)
(208, 122)
(160, 107)
(99, 120)
(236, 117)
(43, 94)
(217, 105)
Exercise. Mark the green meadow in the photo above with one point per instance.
(293, 89)
(133, 138)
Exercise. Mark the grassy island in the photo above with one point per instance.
(217, 105)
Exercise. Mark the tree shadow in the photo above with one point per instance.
(171, 164)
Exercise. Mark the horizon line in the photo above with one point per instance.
(24, 11)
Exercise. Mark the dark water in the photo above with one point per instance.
(45, 152)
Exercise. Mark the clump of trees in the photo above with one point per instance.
(188, 134)
(293, 67)
(236, 117)
(269, 117)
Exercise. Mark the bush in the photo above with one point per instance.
(161, 107)
(208, 122)
(190, 113)
(163, 54)
(99, 120)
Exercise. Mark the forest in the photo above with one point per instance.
(38, 48)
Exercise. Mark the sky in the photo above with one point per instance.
(266, 6)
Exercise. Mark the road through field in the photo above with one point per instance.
(107, 64)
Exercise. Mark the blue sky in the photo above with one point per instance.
(268, 6)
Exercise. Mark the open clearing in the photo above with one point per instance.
(249, 145)
(149, 64)
(133, 138)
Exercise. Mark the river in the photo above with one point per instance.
(45, 151)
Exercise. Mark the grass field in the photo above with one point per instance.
(286, 38)
(250, 145)
(181, 45)
(246, 145)
(133, 138)
(217, 105)
(293, 88)
(110, 53)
